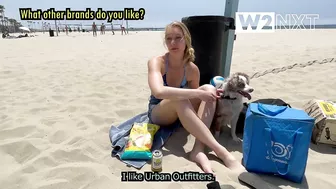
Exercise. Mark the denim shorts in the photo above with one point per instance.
(149, 113)
(152, 103)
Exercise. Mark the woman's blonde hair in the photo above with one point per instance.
(189, 53)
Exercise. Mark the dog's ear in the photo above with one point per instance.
(244, 75)
(232, 82)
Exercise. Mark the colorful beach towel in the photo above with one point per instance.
(119, 137)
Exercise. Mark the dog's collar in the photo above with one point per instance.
(228, 97)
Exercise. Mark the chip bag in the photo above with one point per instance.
(140, 142)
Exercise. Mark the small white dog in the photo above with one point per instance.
(231, 102)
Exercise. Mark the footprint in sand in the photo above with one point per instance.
(21, 151)
(58, 98)
(295, 82)
(93, 102)
(4, 74)
(110, 120)
(96, 120)
(37, 110)
(99, 95)
(40, 163)
(102, 182)
(174, 186)
(75, 155)
(120, 88)
(72, 109)
(18, 132)
(93, 149)
(110, 89)
(67, 176)
(3, 109)
(306, 95)
(82, 125)
(77, 141)
(50, 121)
(138, 100)
(267, 82)
(135, 76)
(122, 103)
(3, 117)
(58, 137)
(124, 113)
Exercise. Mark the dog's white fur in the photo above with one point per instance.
(230, 105)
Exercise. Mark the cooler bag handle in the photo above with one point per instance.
(296, 142)
(271, 110)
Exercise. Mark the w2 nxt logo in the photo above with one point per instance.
(266, 22)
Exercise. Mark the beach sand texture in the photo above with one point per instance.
(59, 96)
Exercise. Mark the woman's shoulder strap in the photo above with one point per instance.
(166, 63)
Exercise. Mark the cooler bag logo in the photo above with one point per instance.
(280, 152)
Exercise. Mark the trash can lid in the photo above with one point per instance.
(228, 21)
(209, 18)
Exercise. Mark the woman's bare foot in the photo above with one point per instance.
(234, 165)
(201, 159)
(230, 161)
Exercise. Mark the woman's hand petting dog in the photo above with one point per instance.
(210, 96)
(220, 92)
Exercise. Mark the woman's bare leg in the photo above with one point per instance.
(166, 113)
(197, 153)
(199, 130)
(205, 111)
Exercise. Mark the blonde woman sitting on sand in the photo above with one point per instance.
(174, 83)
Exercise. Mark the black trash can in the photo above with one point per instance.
(51, 33)
(208, 34)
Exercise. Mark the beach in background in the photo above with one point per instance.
(60, 95)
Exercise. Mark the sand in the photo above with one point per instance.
(59, 97)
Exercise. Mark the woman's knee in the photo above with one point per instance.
(179, 103)
(193, 102)
(208, 87)
(182, 104)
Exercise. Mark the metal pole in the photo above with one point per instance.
(231, 8)
(127, 26)
(56, 27)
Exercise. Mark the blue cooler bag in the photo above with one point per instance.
(276, 140)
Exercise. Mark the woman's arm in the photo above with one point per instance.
(194, 76)
(160, 91)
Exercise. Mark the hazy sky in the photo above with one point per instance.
(159, 13)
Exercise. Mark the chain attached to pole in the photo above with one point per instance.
(285, 68)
